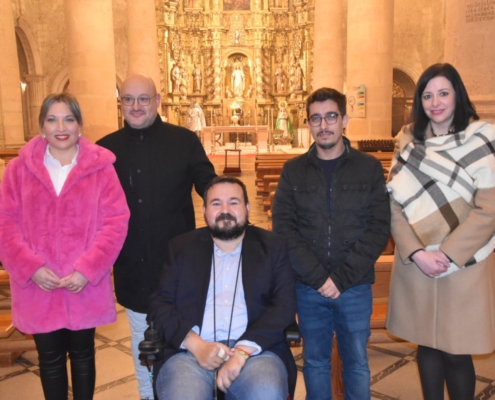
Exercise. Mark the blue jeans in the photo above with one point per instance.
(138, 324)
(263, 377)
(349, 316)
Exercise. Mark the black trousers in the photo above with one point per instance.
(53, 348)
(437, 368)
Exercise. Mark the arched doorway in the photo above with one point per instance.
(33, 84)
(402, 98)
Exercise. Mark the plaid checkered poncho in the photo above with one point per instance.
(435, 182)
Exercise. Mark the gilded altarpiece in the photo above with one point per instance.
(248, 58)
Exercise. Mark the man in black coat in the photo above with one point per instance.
(158, 164)
(332, 206)
(224, 300)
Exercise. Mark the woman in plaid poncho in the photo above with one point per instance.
(442, 186)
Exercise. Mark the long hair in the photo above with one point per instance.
(464, 110)
(66, 98)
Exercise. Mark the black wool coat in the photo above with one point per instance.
(157, 167)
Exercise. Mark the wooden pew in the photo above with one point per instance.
(12, 342)
(263, 189)
(268, 169)
(261, 158)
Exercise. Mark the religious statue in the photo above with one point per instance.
(298, 77)
(280, 79)
(184, 85)
(196, 74)
(292, 71)
(175, 75)
(237, 81)
(195, 118)
(283, 122)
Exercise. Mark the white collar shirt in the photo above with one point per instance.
(58, 173)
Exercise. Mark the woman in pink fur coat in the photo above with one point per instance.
(63, 221)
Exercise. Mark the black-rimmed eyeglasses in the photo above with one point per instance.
(330, 118)
(142, 100)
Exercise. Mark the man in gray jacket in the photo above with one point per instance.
(332, 205)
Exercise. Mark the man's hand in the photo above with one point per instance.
(329, 289)
(210, 355)
(46, 279)
(431, 263)
(74, 282)
(230, 371)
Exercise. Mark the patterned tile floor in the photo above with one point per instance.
(393, 365)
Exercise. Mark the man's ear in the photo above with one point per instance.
(345, 120)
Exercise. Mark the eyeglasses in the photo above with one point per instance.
(330, 118)
(142, 100)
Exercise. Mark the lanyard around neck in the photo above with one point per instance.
(214, 298)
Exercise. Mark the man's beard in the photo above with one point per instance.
(326, 146)
(227, 232)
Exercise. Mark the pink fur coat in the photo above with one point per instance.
(82, 229)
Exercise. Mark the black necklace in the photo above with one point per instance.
(449, 132)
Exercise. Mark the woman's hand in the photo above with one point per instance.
(46, 279)
(74, 282)
(431, 263)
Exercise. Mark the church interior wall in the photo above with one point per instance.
(419, 41)
(46, 19)
(419, 35)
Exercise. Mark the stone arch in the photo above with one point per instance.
(61, 83)
(402, 98)
(26, 37)
(33, 81)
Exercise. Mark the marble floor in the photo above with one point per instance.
(393, 363)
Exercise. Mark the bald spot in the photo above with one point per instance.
(140, 82)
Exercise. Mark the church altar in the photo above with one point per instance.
(260, 135)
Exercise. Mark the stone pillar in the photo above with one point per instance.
(91, 58)
(370, 29)
(470, 29)
(36, 92)
(328, 56)
(142, 39)
(10, 81)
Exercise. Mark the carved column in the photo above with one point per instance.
(328, 62)
(36, 91)
(470, 29)
(10, 81)
(217, 67)
(370, 29)
(258, 63)
(91, 59)
(142, 39)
